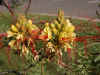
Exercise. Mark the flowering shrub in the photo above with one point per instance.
(57, 36)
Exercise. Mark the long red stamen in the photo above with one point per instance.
(85, 47)
(8, 54)
(69, 52)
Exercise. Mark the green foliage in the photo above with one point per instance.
(85, 65)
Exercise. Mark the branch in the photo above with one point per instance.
(8, 7)
(28, 7)
(97, 13)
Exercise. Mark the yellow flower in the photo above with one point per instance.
(31, 26)
(53, 28)
(58, 25)
(22, 32)
(47, 31)
(61, 28)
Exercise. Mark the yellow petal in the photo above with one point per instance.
(68, 28)
(71, 29)
(62, 35)
(13, 28)
(48, 31)
(23, 28)
(34, 27)
(60, 13)
(68, 45)
(22, 20)
(47, 24)
(50, 35)
(58, 25)
(11, 43)
(18, 25)
(30, 22)
(68, 22)
(20, 36)
(10, 34)
(52, 25)
(49, 44)
(25, 49)
(55, 31)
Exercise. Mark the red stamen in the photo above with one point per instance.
(7, 53)
(85, 47)
(69, 52)
(43, 37)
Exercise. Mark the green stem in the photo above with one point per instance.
(42, 69)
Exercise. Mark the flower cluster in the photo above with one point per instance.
(22, 36)
(58, 34)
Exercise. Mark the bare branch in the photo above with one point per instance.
(28, 7)
(8, 7)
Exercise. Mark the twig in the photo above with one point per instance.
(28, 7)
(8, 7)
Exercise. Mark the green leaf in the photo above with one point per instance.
(97, 58)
